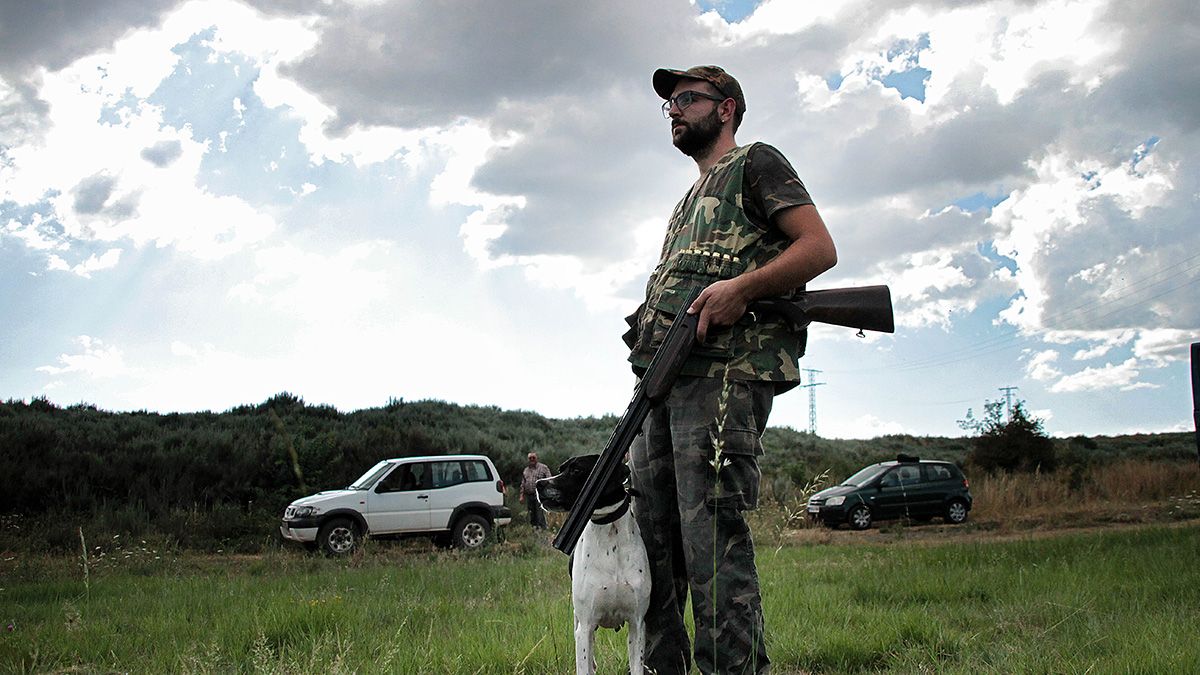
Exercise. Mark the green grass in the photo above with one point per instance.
(1120, 601)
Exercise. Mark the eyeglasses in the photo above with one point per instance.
(685, 98)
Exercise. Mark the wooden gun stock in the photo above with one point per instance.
(864, 308)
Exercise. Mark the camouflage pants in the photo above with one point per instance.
(691, 517)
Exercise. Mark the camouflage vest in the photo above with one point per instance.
(710, 238)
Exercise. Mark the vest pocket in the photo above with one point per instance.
(676, 287)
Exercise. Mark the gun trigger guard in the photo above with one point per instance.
(860, 334)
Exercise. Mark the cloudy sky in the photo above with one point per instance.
(205, 203)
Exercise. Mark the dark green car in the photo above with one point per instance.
(909, 487)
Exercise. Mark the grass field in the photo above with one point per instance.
(1125, 600)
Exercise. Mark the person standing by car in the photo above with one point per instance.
(529, 478)
(747, 229)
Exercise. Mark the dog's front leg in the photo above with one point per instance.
(637, 644)
(585, 654)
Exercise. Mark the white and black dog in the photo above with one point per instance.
(610, 573)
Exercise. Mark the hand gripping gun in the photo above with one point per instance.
(864, 308)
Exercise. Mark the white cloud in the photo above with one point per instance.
(1040, 365)
(1065, 197)
(320, 287)
(35, 234)
(1122, 376)
(870, 426)
(1162, 346)
(146, 202)
(94, 263)
(775, 18)
(95, 361)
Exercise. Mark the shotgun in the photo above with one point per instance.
(865, 308)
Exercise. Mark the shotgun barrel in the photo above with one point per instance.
(654, 385)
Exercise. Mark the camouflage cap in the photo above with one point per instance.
(665, 80)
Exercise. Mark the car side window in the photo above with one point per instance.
(937, 472)
(902, 476)
(447, 474)
(404, 478)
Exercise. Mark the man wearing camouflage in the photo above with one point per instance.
(746, 229)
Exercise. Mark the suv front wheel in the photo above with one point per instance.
(469, 531)
(339, 537)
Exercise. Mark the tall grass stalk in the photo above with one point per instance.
(718, 462)
(87, 583)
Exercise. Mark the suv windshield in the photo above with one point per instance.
(368, 479)
(863, 477)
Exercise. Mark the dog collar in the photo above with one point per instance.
(613, 517)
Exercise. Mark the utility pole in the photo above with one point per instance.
(1008, 399)
(812, 399)
(1196, 392)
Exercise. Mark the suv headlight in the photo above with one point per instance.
(835, 501)
(306, 511)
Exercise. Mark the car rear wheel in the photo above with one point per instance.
(956, 512)
(470, 532)
(338, 537)
(860, 517)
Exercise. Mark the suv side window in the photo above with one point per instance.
(447, 474)
(405, 477)
(937, 472)
(477, 471)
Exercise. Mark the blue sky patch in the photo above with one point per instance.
(732, 11)
(910, 83)
(988, 250)
(977, 201)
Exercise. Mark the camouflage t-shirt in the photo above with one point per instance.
(719, 230)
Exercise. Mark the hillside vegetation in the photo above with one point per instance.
(209, 476)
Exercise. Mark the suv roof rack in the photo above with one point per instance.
(907, 458)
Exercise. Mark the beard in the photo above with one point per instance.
(698, 137)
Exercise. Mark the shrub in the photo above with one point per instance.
(1018, 444)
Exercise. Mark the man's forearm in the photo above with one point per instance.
(798, 264)
(810, 253)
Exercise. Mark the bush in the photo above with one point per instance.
(1018, 444)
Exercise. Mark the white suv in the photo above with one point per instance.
(457, 498)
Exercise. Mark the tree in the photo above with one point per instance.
(1016, 444)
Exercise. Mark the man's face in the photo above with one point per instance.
(697, 127)
(532, 460)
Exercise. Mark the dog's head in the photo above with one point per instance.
(559, 492)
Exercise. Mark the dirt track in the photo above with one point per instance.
(892, 533)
